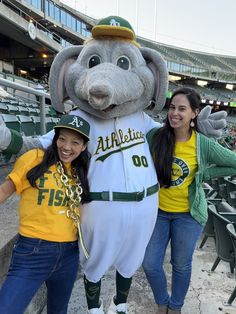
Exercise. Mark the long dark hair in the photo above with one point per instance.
(164, 139)
(80, 164)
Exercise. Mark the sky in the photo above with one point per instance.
(201, 25)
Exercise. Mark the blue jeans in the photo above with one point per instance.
(34, 262)
(183, 231)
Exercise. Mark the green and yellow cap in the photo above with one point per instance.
(75, 123)
(114, 26)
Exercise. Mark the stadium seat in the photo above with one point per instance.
(231, 191)
(36, 121)
(13, 109)
(14, 102)
(52, 112)
(27, 125)
(23, 110)
(34, 111)
(50, 122)
(208, 230)
(232, 232)
(3, 108)
(37, 111)
(11, 121)
(55, 120)
(224, 247)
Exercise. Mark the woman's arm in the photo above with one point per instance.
(223, 161)
(7, 188)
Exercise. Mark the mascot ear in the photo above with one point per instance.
(60, 64)
(157, 65)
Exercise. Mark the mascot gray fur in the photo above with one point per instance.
(111, 80)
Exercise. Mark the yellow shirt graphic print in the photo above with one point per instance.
(42, 210)
(180, 171)
(184, 167)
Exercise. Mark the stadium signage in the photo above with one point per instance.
(32, 30)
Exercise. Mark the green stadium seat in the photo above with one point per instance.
(51, 112)
(13, 109)
(55, 120)
(11, 121)
(23, 110)
(50, 123)
(36, 121)
(3, 108)
(27, 125)
(14, 102)
(37, 111)
(47, 112)
(34, 111)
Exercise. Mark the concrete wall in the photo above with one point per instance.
(39, 301)
(8, 230)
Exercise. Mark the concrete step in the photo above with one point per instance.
(206, 294)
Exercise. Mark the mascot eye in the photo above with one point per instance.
(93, 61)
(123, 63)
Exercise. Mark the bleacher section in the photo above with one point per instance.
(213, 62)
(25, 117)
(193, 58)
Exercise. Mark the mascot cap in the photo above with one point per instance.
(114, 26)
(75, 123)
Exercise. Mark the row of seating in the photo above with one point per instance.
(221, 223)
(12, 109)
(17, 102)
(223, 230)
(27, 111)
(225, 188)
(27, 125)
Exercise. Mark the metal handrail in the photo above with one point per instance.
(42, 96)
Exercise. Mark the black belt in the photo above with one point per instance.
(123, 196)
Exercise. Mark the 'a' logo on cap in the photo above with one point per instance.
(113, 22)
(76, 122)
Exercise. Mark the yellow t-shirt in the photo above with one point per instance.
(42, 211)
(175, 198)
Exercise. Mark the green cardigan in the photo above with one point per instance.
(213, 161)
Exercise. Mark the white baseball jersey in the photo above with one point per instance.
(117, 233)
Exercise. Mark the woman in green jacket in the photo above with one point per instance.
(183, 160)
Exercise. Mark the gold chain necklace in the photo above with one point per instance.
(73, 192)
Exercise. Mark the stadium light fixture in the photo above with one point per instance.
(230, 86)
(23, 72)
(201, 83)
(174, 78)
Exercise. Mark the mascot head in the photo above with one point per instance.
(110, 75)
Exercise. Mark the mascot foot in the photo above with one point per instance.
(121, 308)
(97, 310)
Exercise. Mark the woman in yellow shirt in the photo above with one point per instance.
(51, 184)
(183, 158)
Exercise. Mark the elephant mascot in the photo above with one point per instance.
(111, 79)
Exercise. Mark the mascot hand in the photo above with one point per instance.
(211, 124)
(5, 136)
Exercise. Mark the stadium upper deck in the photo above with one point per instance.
(33, 31)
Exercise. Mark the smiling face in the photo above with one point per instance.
(180, 113)
(70, 144)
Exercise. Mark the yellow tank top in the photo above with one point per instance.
(175, 198)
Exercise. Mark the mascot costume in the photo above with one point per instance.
(111, 79)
